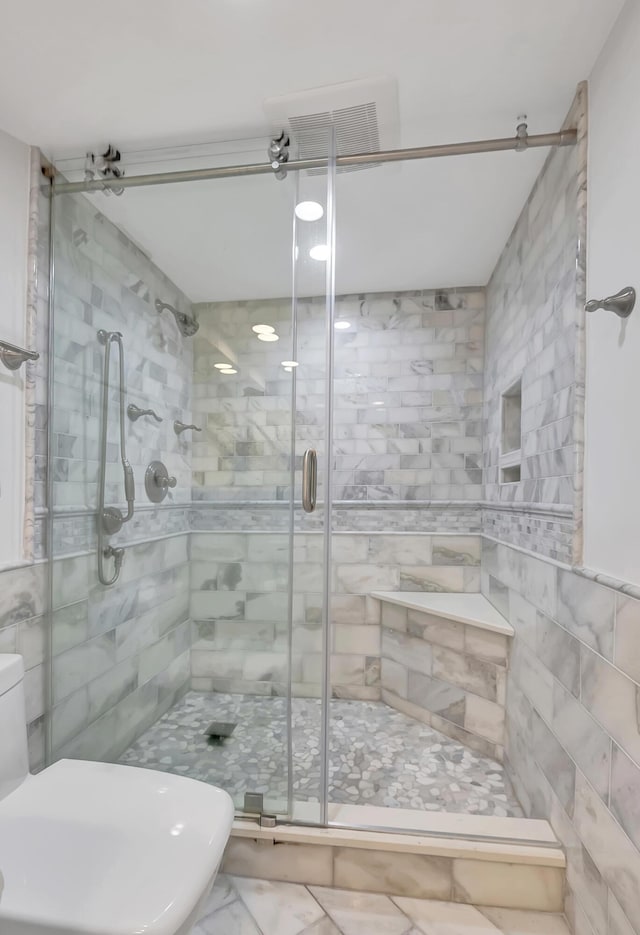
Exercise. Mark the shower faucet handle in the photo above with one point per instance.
(179, 427)
(157, 481)
(135, 412)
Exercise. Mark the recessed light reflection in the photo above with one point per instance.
(320, 252)
(268, 337)
(309, 211)
(230, 370)
(342, 325)
(290, 364)
(378, 402)
(263, 329)
(288, 369)
(222, 366)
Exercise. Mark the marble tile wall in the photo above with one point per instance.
(408, 397)
(408, 428)
(534, 323)
(23, 622)
(446, 674)
(573, 726)
(104, 280)
(37, 335)
(23, 589)
(239, 605)
(121, 655)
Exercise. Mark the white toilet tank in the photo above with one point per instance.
(14, 756)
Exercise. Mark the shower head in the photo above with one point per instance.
(188, 326)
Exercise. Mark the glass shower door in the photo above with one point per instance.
(187, 661)
(310, 516)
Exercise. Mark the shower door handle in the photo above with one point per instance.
(309, 480)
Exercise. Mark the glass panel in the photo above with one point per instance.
(405, 726)
(313, 387)
(196, 628)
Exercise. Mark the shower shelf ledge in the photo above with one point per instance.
(471, 609)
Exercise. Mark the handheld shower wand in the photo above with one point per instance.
(110, 518)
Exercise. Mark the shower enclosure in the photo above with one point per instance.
(313, 439)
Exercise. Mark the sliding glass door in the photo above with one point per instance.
(190, 384)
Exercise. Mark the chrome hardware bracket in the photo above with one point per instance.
(522, 134)
(278, 153)
(14, 357)
(105, 166)
(622, 303)
(157, 481)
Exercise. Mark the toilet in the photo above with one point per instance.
(99, 848)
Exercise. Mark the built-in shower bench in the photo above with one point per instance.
(444, 662)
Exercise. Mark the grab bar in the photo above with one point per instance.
(309, 480)
(110, 519)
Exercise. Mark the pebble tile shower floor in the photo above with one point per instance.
(378, 755)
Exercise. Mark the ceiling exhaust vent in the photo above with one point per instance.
(364, 114)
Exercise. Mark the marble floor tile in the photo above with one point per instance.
(379, 756)
(360, 913)
(324, 927)
(232, 919)
(222, 894)
(522, 922)
(442, 918)
(244, 906)
(278, 908)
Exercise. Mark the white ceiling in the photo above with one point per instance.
(141, 73)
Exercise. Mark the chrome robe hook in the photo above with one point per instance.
(622, 303)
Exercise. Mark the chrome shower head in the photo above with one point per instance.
(188, 326)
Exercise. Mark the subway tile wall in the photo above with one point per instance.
(408, 434)
(408, 397)
(447, 674)
(120, 655)
(534, 324)
(239, 605)
(104, 281)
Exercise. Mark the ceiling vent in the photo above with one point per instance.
(363, 113)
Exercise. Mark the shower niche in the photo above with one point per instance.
(511, 434)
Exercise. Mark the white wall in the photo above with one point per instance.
(14, 214)
(612, 469)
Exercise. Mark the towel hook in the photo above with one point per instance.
(621, 303)
(13, 357)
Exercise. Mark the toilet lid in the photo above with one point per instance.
(106, 849)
